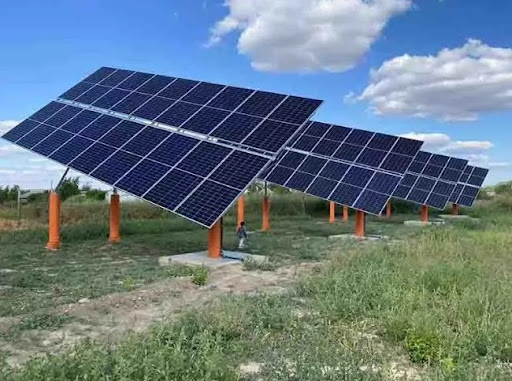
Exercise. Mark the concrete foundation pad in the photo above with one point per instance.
(201, 259)
(353, 237)
(459, 217)
(421, 223)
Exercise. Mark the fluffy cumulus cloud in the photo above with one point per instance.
(306, 35)
(454, 85)
(6, 125)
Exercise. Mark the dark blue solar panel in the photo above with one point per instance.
(423, 156)
(115, 167)
(437, 201)
(142, 177)
(470, 191)
(464, 178)
(173, 149)
(208, 202)
(270, 136)
(236, 128)
(121, 133)
(295, 110)
(432, 171)
(345, 194)
(480, 172)
(111, 98)
(300, 181)
(173, 189)
(451, 175)
(261, 103)
(476, 181)
(382, 142)
(322, 187)
(70, 151)
(443, 188)
(407, 147)
(417, 167)
(77, 90)
(334, 170)
(116, 78)
(466, 201)
(178, 88)
(203, 93)
(146, 141)
(52, 142)
(326, 147)
(100, 75)
(93, 94)
(153, 108)
(402, 191)
(155, 85)
(47, 111)
(239, 169)
(280, 175)
(338, 133)
(99, 127)
(61, 117)
(418, 195)
(35, 136)
(306, 143)
(456, 192)
(384, 183)
(439, 160)
(348, 152)
(312, 165)
(134, 81)
(20, 130)
(317, 129)
(206, 120)
(131, 103)
(230, 98)
(371, 202)
(359, 137)
(92, 157)
(425, 184)
(178, 114)
(358, 176)
(458, 164)
(371, 157)
(409, 180)
(204, 158)
(292, 160)
(396, 163)
(79, 122)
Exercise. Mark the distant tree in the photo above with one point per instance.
(96, 194)
(503, 188)
(69, 187)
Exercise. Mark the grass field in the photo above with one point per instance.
(432, 304)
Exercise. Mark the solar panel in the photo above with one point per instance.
(362, 188)
(364, 148)
(254, 120)
(431, 179)
(107, 127)
(469, 185)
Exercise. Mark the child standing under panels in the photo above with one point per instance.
(242, 235)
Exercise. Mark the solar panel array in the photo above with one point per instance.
(362, 184)
(469, 185)
(193, 175)
(431, 179)
(359, 147)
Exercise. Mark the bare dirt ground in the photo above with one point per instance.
(109, 318)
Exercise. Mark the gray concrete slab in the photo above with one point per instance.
(354, 237)
(421, 223)
(201, 259)
(459, 217)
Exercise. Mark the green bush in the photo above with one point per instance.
(200, 276)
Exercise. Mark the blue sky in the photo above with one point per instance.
(459, 100)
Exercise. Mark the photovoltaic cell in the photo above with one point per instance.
(470, 183)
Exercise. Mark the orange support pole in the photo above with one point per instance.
(241, 211)
(115, 218)
(424, 213)
(360, 224)
(332, 212)
(388, 210)
(215, 240)
(54, 222)
(265, 213)
(455, 209)
(345, 214)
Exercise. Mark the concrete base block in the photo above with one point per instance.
(201, 259)
(421, 223)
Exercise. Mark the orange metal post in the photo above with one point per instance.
(388, 210)
(115, 218)
(215, 240)
(424, 213)
(332, 212)
(345, 214)
(241, 211)
(455, 209)
(265, 213)
(54, 222)
(360, 224)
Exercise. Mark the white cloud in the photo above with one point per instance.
(6, 125)
(9, 149)
(481, 160)
(454, 85)
(306, 35)
(433, 140)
